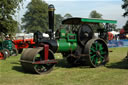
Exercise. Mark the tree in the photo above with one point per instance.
(113, 27)
(36, 17)
(126, 26)
(125, 7)
(7, 10)
(18, 29)
(58, 20)
(67, 16)
(95, 14)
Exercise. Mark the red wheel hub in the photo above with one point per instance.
(1, 56)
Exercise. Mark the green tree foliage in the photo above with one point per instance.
(58, 20)
(113, 27)
(125, 27)
(125, 7)
(95, 14)
(67, 16)
(7, 10)
(36, 17)
(18, 29)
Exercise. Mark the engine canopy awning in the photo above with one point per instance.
(76, 21)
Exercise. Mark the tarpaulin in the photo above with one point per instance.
(117, 43)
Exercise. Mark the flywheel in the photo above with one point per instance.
(85, 33)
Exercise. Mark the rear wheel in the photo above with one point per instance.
(98, 52)
(2, 55)
(7, 52)
(14, 52)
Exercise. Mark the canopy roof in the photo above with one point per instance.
(76, 21)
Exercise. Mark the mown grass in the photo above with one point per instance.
(114, 73)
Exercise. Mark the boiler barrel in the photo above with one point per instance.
(61, 45)
(65, 46)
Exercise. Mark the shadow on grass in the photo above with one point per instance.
(15, 63)
(64, 64)
(18, 68)
(119, 65)
(21, 70)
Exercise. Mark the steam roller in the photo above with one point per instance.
(76, 41)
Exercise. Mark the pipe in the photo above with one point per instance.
(51, 19)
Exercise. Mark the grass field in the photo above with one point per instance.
(115, 72)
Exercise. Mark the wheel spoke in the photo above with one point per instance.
(91, 53)
(100, 47)
(96, 61)
(92, 57)
(101, 58)
(96, 44)
(44, 67)
(102, 52)
(93, 49)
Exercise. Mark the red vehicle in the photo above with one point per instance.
(110, 36)
(21, 43)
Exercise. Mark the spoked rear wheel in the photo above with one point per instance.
(98, 52)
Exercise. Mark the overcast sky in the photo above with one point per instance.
(110, 9)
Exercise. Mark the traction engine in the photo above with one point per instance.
(78, 44)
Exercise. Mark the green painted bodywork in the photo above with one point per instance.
(71, 37)
(7, 44)
(67, 42)
(63, 33)
(98, 20)
(65, 46)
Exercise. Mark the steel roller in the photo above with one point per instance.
(32, 60)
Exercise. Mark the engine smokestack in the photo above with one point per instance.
(51, 19)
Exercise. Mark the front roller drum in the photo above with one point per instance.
(33, 60)
(98, 52)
